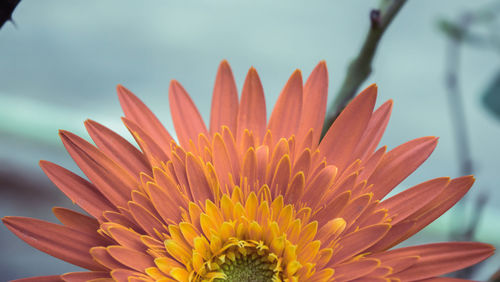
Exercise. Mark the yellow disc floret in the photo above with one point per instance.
(254, 239)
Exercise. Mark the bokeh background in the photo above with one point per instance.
(61, 62)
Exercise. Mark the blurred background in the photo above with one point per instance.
(60, 63)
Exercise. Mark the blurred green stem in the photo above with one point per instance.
(361, 67)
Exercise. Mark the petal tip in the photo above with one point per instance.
(224, 63)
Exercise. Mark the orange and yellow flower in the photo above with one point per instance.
(249, 198)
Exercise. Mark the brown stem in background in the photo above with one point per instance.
(456, 105)
(361, 67)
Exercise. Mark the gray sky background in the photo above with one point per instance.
(62, 63)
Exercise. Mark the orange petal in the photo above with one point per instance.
(370, 164)
(249, 169)
(224, 101)
(101, 255)
(76, 220)
(122, 219)
(355, 269)
(51, 278)
(117, 148)
(443, 279)
(131, 258)
(112, 180)
(303, 163)
(455, 190)
(374, 131)
(358, 241)
(79, 190)
(56, 240)
(146, 220)
(198, 183)
(281, 177)
(144, 200)
(333, 208)
(399, 163)
(355, 208)
(409, 201)
(345, 133)
(295, 189)
(285, 118)
(252, 110)
(153, 150)
(136, 111)
(314, 104)
(123, 275)
(440, 258)
(127, 238)
(399, 264)
(393, 237)
(166, 202)
(187, 120)
(319, 185)
(84, 276)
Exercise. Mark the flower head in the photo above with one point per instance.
(249, 199)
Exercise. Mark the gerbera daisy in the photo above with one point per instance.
(249, 198)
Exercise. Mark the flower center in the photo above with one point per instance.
(248, 265)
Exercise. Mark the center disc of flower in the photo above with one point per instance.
(242, 238)
(248, 262)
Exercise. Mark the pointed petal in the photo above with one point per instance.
(295, 189)
(79, 190)
(355, 208)
(284, 120)
(76, 220)
(187, 120)
(448, 197)
(440, 258)
(355, 269)
(56, 240)
(117, 148)
(399, 163)
(136, 111)
(444, 279)
(359, 241)
(346, 132)
(146, 220)
(101, 255)
(319, 185)
(403, 204)
(393, 237)
(166, 202)
(84, 276)
(225, 100)
(131, 258)
(252, 110)
(281, 176)
(198, 184)
(371, 163)
(221, 161)
(123, 275)
(127, 238)
(374, 131)
(112, 180)
(314, 104)
(151, 148)
(333, 208)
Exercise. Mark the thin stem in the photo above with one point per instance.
(361, 66)
(462, 230)
(457, 110)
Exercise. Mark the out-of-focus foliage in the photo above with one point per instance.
(491, 97)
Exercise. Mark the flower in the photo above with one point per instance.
(249, 199)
